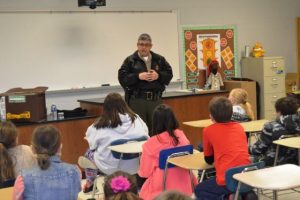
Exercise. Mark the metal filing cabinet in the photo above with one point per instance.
(269, 72)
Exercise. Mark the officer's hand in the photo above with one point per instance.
(153, 75)
(144, 76)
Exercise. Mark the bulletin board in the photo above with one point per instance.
(204, 43)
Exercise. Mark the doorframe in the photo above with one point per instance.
(298, 50)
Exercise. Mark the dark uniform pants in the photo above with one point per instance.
(144, 108)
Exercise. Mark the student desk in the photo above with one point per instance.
(252, 126)
(6, 193)
(280, 177)
(186, 106)
(292, 142)
(130, 147)
(193, 161)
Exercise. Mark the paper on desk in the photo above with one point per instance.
(195, 90)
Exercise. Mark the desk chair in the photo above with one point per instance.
(281, 177)
(85, 163)
(126, 156)
(166, 154)
(233, 185)
(278, 142)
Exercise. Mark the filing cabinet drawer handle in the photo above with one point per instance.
(275, 97)
(274, 79)
(274, 84)
(274, 64)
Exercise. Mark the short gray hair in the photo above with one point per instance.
(145, 37)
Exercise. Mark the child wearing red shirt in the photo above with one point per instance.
(225, 145)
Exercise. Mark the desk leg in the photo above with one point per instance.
(299, 157)
(249, 139)
(275, 194)
(259, 192)
(276, 155)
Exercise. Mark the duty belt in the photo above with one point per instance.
(148, 95)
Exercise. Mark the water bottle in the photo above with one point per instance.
(247, 51)
(54, 112)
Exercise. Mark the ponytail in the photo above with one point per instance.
(248, 109)
(6, 165)
(45, 142)
(43, 161)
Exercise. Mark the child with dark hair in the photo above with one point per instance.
(287, 122)
(117, 121)
(52, 178)
(120, 186)
(166, 135)
(13, 157)
(225, 145)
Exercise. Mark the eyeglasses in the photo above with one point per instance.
(144, 44)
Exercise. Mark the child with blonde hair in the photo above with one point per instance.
(242, 110)
(13, 157)
(120, 186)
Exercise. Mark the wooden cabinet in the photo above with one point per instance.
(72, 133)
(269, 72)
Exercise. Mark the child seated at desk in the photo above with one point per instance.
(242, 111)
(117, 121)
(287, 122)
(52, 178)
(165, 135)
(13, 157)
(225, 145)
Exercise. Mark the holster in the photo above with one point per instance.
(128, 94)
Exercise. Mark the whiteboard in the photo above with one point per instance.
(64, 50)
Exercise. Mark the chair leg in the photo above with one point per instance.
(192, 180)
(120, 160)
(276, 155)
(275, 194)
(94, 189)
(236, 196)
(165, 176)
(202, 176)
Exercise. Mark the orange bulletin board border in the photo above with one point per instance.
(203, 43)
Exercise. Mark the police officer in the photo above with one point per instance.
(144, 75)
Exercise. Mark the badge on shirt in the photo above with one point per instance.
(156, 67)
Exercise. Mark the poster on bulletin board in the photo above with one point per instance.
(202, 44)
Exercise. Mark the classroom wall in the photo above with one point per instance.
(271, 22)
